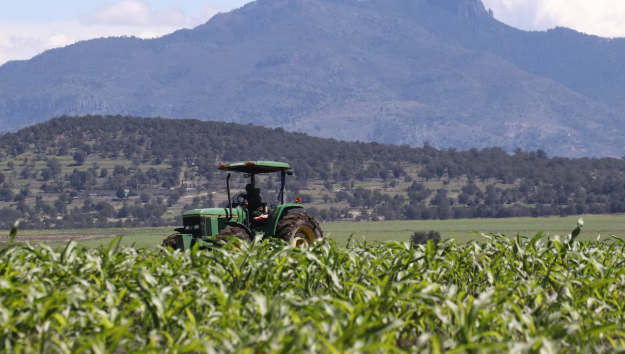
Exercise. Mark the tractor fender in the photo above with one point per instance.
(272, 222)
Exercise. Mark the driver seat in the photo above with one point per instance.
(260, 219)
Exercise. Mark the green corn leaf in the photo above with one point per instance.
(349, 240)
(601, 329)
(577, 231)
(13, 232)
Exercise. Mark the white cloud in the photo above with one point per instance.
(141, 13)
(203, 16)
(598, 17)
(124, 12)
(22, 40)
(136, 13)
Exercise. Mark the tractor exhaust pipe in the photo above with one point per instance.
(229, 199)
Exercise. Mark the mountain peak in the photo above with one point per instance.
(470, 9)
(391, 71)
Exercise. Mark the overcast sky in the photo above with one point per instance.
(28, 27)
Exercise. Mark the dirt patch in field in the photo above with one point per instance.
(54, 238)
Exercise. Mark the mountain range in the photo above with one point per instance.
(445, 72)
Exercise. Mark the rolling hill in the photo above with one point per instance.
(71, 173)
(396, 71)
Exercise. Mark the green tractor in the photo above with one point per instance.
(248, 216)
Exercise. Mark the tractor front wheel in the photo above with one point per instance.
(299, 229)
(234, 232)
(170, 241)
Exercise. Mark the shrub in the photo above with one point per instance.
(145, 198)
(80, 157)
(173, 199)
(422, 237)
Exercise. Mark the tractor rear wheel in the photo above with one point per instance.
(234, 232)
(299, 229)
(170, 241)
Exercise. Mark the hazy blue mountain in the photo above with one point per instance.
(393, 71)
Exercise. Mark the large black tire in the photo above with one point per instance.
(170, 241)
(299, 229)
(234, 232)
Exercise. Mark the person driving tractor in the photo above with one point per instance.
(254, 200)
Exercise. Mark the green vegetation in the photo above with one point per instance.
(46, 187)
(533, 295)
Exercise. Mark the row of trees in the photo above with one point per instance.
(495, 202)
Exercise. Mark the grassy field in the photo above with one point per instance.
(464, 229)
(377, 231)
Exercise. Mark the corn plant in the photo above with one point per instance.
(518, 295)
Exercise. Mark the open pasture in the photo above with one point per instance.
(464, 229)
(369, 231)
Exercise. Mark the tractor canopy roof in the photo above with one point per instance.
(255, 167)
(212, 212)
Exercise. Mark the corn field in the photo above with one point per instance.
(517, 295)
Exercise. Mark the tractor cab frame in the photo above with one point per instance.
(251, 169)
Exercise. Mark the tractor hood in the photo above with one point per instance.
(212, 212)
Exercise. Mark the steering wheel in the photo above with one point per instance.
(242, 199)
